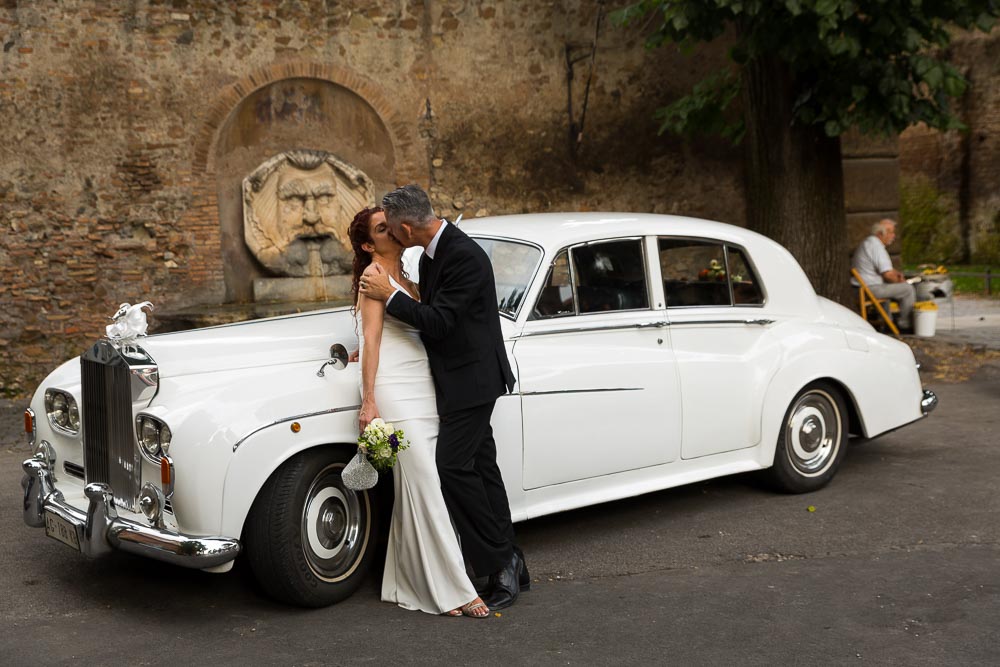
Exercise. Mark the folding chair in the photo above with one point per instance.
(866, 299)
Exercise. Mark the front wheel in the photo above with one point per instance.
(812, 441)
(309, 539)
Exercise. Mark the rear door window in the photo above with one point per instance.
(700, 272)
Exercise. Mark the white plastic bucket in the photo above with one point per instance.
(924, 322)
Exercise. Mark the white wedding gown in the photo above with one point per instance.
(424, 568)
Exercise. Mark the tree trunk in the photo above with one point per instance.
(794, 180)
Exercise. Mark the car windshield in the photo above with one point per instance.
(514, 264)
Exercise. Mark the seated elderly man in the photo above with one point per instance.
(871, 259)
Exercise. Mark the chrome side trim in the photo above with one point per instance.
(577, 391)
(582, 329)
(285, 420)
(100, 529)
(659, 324)
(760, 322)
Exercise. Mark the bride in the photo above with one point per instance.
(424, 568)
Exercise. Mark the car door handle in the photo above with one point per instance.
(651, 325)
(761, 321)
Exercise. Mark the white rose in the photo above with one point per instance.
(387, 428)
(378, 423)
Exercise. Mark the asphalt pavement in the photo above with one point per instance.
(969, 320)
(898, 562)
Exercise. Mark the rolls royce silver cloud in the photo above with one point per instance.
(650, 352)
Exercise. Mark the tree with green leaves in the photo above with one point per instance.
(804, 72)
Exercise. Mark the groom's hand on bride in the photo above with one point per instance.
(375, 283)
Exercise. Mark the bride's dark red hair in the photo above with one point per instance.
(360, 233)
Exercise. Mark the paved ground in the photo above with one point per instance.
(974, 321)
(898, 564)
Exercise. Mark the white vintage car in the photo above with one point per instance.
(650, 351)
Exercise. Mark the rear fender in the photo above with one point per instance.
(881, 384)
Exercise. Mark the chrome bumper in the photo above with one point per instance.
(928, 402)
(100, 529)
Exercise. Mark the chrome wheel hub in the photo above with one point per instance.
(812, 434)
(336, 526)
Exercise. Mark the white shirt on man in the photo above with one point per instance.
(433, 245)
(871, 259)
(429, 251)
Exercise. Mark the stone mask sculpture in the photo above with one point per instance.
(296, 210)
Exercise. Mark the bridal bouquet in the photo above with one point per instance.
(378, 448)
(382, 442)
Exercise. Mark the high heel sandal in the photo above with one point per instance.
(475, 606)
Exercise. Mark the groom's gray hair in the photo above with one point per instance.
(409, 204)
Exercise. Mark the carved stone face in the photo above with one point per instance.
(296, 210)
(308, 206)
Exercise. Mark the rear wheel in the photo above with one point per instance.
(309, 539)
(812, 441)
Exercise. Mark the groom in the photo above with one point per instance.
(458, 322)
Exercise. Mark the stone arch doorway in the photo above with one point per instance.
(296, 107)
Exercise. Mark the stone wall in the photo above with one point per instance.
(958, 172)
(127, 126)
(871, 186)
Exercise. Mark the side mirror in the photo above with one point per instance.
(338, 359)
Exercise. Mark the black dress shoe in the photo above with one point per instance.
(523, 578)
(506, 584)
(483, 585)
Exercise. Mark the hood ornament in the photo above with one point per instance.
(129, 324)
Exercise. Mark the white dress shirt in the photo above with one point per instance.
(429, 251)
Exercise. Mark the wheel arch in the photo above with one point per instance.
(262, 454)
(855, 423)
(783, 389)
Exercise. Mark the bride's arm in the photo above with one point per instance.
(372, 313)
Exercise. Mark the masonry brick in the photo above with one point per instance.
(116, 112)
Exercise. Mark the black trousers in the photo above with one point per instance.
(473, 488)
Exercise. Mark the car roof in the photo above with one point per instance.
(556, 230)
(788, 288)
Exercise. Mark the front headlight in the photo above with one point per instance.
(153, 436)
(62, 411)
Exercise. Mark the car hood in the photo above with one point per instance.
(274, 341)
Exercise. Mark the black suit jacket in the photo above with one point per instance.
(458, 322)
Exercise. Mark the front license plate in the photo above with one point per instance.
(60, 529)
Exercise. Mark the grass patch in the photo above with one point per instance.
(975, 285)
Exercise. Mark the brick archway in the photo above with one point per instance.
(411, 165)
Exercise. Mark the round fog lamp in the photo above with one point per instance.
(47, 454)
(151, 502)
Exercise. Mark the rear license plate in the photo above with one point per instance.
(60, 529)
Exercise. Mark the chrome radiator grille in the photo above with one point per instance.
(110, 454)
